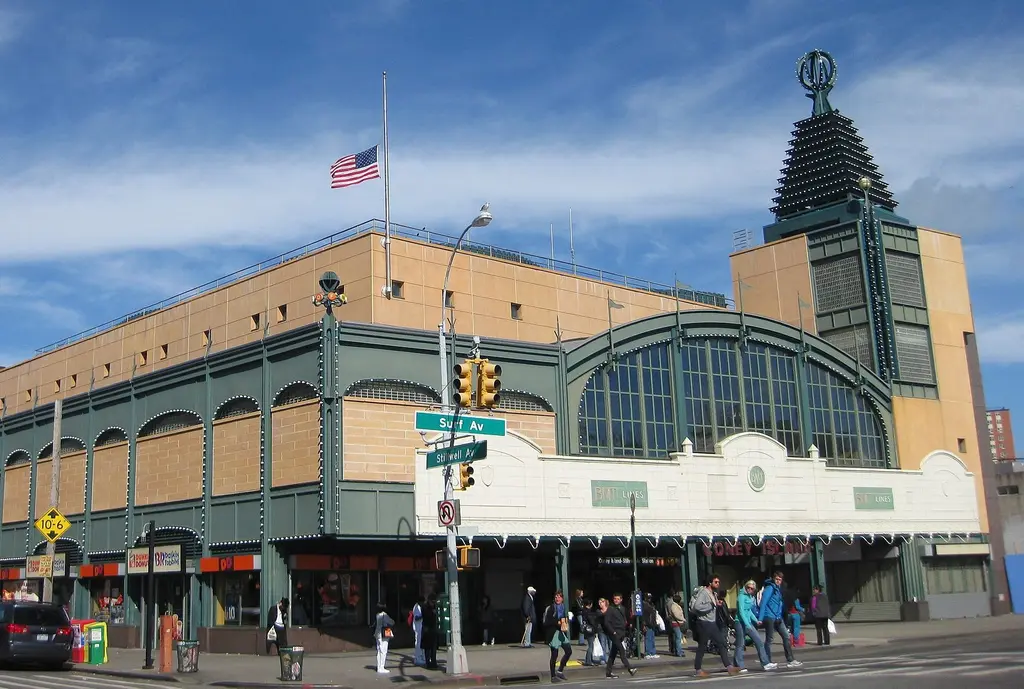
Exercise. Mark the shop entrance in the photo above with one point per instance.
(172, 597)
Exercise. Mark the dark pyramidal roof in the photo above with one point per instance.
(826, 157)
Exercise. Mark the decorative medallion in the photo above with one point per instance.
(756, 478)
(816, 71)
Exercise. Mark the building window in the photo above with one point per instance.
(74, 380)
(961, 445)
(236, 407)
(237, 597)
(329, 599)
(27, 396)
(171, 421)
(142, 357)
(18, 457)
(517, 312)
(522, 401)
(106, 370)
(56, 386)
(3, 404)
(398, 289)
(282, 313)
(396, 390)
(1008, 490)
(163, 352)
(107, 595)
(449, 299)
(299, 391)
(206, 338)
(254, 322)
(914, 354)
(904, 271)
(838, 283)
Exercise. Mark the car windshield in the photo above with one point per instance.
(40, 616)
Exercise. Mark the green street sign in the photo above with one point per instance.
(617, 493)
(457, 455)
(479, 425)
(873, 499)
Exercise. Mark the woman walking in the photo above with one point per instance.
(277, 626)
(383, 631)
(821, 612)
(556, 627)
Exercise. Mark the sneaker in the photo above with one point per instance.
(771, 666)
(492, 642)
(561, 675)
(632, 672)
(654, 656)
(732, 670)
(794, 663)
(383, 672)
(611, 676)
(702, 674)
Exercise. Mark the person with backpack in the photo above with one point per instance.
(415, 621)
(556, 629)
(771, 613)
(704, 605)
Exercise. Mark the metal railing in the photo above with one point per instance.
(403, 231)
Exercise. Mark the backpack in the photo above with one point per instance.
(693, 601)
(760, 593)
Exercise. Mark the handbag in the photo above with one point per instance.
(272, 634)
(388, 632)
(832, 628)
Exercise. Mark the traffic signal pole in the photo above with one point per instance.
(458, 663)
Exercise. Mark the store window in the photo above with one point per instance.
(329, 599)
(238, 599)
(107, 600)
(401, 590)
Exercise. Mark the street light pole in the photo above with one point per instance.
(458, 663)
(636, 578)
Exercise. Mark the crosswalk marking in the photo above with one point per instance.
(72, 680)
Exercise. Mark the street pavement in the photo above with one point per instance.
(36, 679)
(996, 661)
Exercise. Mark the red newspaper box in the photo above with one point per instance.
(78, 644)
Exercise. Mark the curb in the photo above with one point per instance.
(127, 674)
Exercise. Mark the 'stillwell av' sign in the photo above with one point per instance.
(166, 559)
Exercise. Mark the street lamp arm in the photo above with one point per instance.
(448, 270)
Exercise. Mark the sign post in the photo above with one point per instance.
(51, 545)
(150, 597)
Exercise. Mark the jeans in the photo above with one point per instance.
(605, 643)
(417, 631)
(770, 627)
(649, 646)
(794, 618)
(677, 634)
(382, 652)
(487, 635)
(710, 630)
(741, 644)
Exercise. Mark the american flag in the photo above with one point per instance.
(355, 168)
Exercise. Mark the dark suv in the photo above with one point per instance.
(35, 633)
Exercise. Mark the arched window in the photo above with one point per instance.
(171, 421)
(845, 429)
(397, 390)
(522, 401)
(236, 407)
(299, 391)
(626, 408)
(67, 446)
(18, 457)
(111, 436)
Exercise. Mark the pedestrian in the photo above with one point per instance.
(383, 632)
(556, 629)
(577, 609)
(277, 626)
(796, 618)
(529, 610)
(677, 620)
(417, 630)
(613, 620)
(430, 639)
(587, 620)
(704, 605)
(746, 625)
(486, 620)
(820, 613)
(770, 614)
(649, 625)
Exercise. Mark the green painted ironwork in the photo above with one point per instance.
(817, 73)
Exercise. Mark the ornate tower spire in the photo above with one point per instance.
(827, 157)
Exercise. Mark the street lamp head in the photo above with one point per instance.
(864, 183)
(484, 217)
(329, 282)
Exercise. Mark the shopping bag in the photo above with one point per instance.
(598, 650)
(660, 622)
(271, 634)
(832, 628)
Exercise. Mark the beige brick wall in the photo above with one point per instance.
(109, 477)
(16, 484)
(72, 484)
(236, 454)
(170, 467)
(296, 443)
(381, 439)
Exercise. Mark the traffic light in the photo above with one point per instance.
(463, 386)
(468, 557)
(441, 560)
(487, 385)
(466, 476)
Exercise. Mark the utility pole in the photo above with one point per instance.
(638, 607)
(51, 547)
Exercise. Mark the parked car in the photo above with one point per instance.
(35, 633)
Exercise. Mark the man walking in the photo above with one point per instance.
(704, 605)
(613, 619)
(772, 615)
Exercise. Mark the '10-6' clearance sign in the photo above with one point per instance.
(166, 558)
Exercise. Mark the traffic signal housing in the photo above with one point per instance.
(488, 385)
(462, 394)
(466, 479)
(468, 557)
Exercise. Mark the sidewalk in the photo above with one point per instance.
(491, 665)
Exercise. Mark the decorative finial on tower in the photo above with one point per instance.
(816, 72)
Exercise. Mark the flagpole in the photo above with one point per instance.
(611, 339)
(800, 314)
(675, 291)
(572, 247)
(551, 231)
(387, 195)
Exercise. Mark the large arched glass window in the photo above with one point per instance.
(626, 408)
(844, 428)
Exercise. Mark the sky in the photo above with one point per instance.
(146, 148)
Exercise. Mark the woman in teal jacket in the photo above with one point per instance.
(745, 625)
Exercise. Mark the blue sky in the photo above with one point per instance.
(150, 147)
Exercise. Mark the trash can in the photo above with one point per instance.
(291, 663)
(188, 656)
(96, 647)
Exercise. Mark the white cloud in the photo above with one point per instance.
(1000, 338)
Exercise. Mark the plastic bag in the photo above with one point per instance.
(832, 628)
(660, 621)
(598, 650)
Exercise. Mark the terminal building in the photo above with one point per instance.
(825, 421)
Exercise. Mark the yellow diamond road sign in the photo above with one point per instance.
(52, 525)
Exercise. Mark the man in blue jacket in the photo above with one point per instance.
(772, 615)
